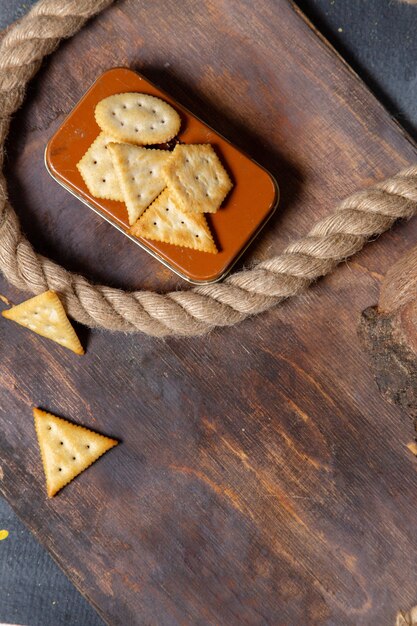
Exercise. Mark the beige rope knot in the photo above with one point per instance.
(248, 292)
(407, 619)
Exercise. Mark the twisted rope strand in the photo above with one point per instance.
(188, 313)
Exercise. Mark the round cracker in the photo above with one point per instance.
(137, 118)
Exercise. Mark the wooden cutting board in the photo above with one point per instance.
(261, 477)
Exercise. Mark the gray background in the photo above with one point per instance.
(378, 38)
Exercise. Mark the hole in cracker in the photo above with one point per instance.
(95, 162)
(196, 235)
(122, 123)
(124, 106)
(162, 121)
(167, 209)
(59, 469)
(49, 427)
(61, 443)
(88, 445)
(113, 113)
(104, 180)
(73, 458)
(139, 104)
(182, 222)
(154, 223)
(136, 130)
(150, 171)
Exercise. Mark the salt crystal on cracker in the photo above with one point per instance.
(138, 171)
(137, 118)
(66, 449)
(97, 170)
(196, 178)
(166, 221)
(45, 315)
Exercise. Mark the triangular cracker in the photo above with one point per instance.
(196, 178)
(66, 449)
(45, 315)
(97, 171)
(139, 174)
(166, 221)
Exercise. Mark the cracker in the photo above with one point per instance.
(45, 315)
(196, 178)
(97, 170)
(66, 449)
(139, 173)
(137, 118)
(166, 221)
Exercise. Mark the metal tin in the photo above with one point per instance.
(247, 208)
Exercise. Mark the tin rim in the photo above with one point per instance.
(154, 254)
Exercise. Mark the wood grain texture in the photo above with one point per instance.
(262, 479)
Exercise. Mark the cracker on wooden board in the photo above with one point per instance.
(137, 118)
(66, 449)
(45, 315)
(196, 178)
(165, 221)
(138, 171)
(97, 171)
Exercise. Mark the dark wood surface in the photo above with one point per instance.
(262, 479)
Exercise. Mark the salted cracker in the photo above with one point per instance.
(66, 449)
(196, 178)
(137, 118)
(166, 221)
(97, 170)
(138, 171)
(45, 315)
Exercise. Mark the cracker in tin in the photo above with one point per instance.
(196, 178)
(137, 118)
(97, 171)
(138, 171)
(166, 221)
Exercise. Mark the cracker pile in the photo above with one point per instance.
(166, 193)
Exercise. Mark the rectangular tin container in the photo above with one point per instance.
(251, 202)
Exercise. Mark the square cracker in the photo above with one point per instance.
(97, 170)
(139, 174)
(166, 221)
(196, 178)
